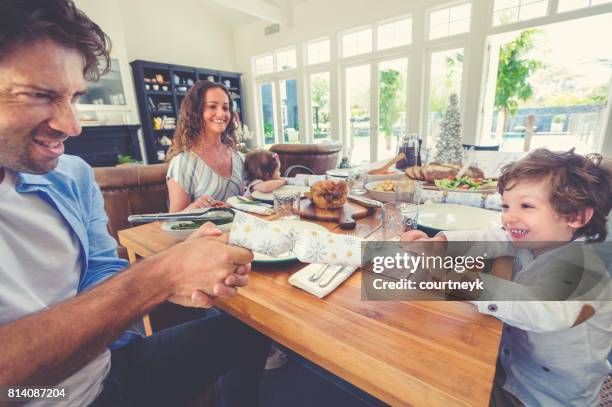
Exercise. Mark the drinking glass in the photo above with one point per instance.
(287, 204)
(356, 181)
(408, 191)
(397, 218)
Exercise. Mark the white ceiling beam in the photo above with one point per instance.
(258, 8)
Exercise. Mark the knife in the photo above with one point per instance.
(367, 202)
(178, 216)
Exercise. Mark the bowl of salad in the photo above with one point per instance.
(181, 230)
(467, 184)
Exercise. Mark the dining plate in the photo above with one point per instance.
(297, 226)
(269, 197)
(182, 234)
(338, 172)
(240, 203)
(489, 190)
(436, 217)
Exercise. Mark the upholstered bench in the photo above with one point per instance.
(131, 190)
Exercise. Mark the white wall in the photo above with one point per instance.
(106, 15)
(184, 32)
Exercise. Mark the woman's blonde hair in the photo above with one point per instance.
(191, 124)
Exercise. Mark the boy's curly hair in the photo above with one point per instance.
(576, 181)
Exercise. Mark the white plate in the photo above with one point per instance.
(184, 233)
(297, 225)
(382, 196)
(488, 190)
(269, 197)
(394, 176)
(338, 172)
(260, 207)
(440, 217)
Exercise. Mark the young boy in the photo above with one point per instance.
(553, 353)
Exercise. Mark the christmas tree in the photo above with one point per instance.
(449, 149)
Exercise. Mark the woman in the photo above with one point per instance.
(204, 165)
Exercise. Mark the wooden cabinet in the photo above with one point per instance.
(160, 90)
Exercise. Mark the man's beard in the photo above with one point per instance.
(18, 157)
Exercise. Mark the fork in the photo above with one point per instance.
(325, 282)
(317, 274)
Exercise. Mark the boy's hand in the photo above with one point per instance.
(419, 235)
(413, 235)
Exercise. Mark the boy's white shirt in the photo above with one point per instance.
(547, 361)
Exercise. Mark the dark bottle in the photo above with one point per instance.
(418, 156)
(408, 146)
(344, 163)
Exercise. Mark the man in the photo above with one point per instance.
(55, 245)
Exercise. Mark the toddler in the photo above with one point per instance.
(262, 169)
(553, 353)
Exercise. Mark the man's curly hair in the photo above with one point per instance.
(576, 182)
(24, 21)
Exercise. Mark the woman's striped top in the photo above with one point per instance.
(197, 178)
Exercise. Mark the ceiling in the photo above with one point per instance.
(241, 12)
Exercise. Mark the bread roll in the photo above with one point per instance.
(329, 194)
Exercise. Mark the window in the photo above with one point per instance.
(567, 5)
(286, 60)
(317, 52)
(446, 73)
(319, 100)
(449, 21)
(392, 78)
(289, 111)
(565, 94)
(266, 94)
(511, 11)
(394, 34)
(357, 104)
(264, 64)
(357, 42)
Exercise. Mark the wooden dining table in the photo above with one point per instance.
(405, 353)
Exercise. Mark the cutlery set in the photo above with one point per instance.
(318, 275)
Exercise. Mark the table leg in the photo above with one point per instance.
(145, 319)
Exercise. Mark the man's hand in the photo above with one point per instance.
(227, 284)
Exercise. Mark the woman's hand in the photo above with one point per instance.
(204, 201)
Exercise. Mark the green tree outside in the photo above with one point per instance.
(513, 73)
(391, 106)
(320, 97)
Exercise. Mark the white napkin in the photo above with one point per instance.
(312, 246)
(308, 245)
(261, 209)
(260, 235)
(492, 201)
(300, 279)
